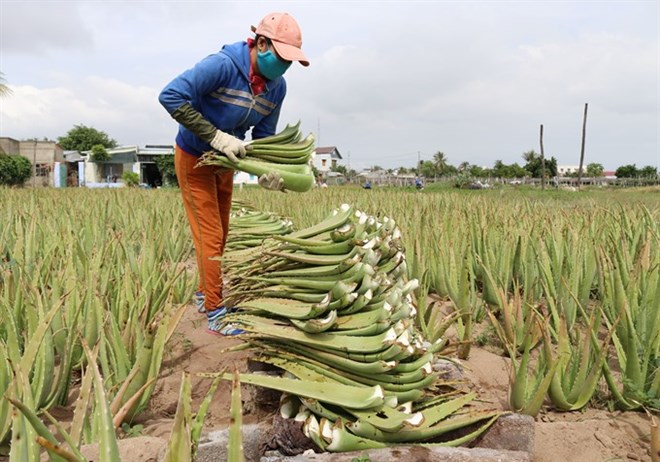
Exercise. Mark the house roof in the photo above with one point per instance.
(126, 157)
(331, 150)
(72, 156)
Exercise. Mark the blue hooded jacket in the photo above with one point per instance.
(218, 87)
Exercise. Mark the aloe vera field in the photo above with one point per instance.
(549, 302)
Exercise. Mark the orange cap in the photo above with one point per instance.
(285, 34)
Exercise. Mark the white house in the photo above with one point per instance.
(107, 174)
(563, 170)
(325, 158)
(242, 178)
(122, 159)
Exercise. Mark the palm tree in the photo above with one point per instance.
(4, 89)
(440, 162)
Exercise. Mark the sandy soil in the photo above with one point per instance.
(594, 435)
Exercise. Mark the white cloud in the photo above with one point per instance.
(129, 114)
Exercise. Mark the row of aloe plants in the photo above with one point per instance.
(85, 268)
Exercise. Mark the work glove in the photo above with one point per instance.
(272, 181)
(229, 145)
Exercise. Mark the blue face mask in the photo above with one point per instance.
(270, 66)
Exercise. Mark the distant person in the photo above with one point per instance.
(216, 102)
(418, 183)
(367, 184)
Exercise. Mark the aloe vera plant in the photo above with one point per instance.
(633, 310)
(527, 393)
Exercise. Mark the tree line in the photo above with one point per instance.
(83, 138)
(533, 167)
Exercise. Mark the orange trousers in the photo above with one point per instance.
(206, 193)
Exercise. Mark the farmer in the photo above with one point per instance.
(215, 103)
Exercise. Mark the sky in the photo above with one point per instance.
(390, 82)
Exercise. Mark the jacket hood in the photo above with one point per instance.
(239, 54)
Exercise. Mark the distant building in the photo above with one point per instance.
(564, 170)
(108, 173)
(243, 178)
(46, 157)
(326, 158)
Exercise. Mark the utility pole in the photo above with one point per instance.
(584, 130)
(542, 161)
(34, 164)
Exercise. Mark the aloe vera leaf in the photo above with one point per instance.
(303, 371)
(316, 325)
(318, 409)
(200, 416)
(289, 132)
(344, 441)
(413, 365)
(535, 401)
(333, 248)
(373, 329)
(313, 259)
(361, 319)
(388, 419)
(31, 349)
(41, 429)
(313, 271)
(435, 414)
(5, 380)
(108, 448)
(293, 309)
(82, 402)
(179, 445)
(160, 340)
(405, 435)
(312, 430)
(284, 150)
(360, 304)
(119, 417)
(294, 283)
(56, 452)
(340, 362)
(70, 454)
(335, 220)
(337, 394)
(269, 328)
(301, 241)
(467, 438)
(235, 446)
